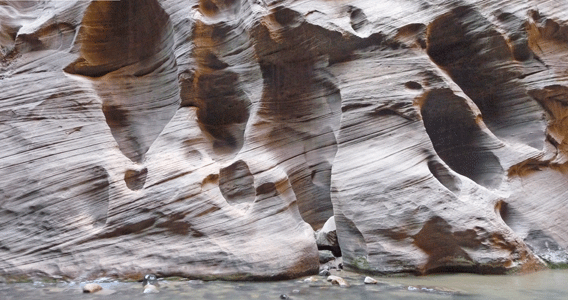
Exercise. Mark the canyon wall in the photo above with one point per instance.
(210, 138)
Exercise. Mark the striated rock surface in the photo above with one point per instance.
(211, 138)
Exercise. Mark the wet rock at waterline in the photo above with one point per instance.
(336, 280)
(150, 279)
(91, 288)
(326, 238)
(151, 289)
(325, 256)
(335, 263)
(210, 138)
(150, 284)
(370, 280)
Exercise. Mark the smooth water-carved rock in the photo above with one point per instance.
(370, 280)
(91, 288)
(211, 138)
(479, 60)
(336, 280)
(127, 52)
(325, 256)
(237, 183)
(458, 139)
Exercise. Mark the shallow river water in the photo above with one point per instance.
(548, 285)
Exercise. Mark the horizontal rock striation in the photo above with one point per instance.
(212, 138)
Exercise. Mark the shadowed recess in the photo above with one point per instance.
(351, 242)
(358, 19)
(126, 50)
(298, 92)
(237, 183)
(459, 140)
(135, 179)
(443, 249)
(554, 98)
(57, 36)
(511, 216)
(478, 58)
(444, 176)
(115, 34)
(218, 90)
(212, 8)
(313, 192)
(302, 93)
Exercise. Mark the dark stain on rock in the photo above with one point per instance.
(436, 240)
(237, 183)
(135, 179)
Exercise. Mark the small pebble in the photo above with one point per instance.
(295, 291)
(92, 288)
(150, 289)
(369, 280)
(336, 280)
(340, 265)
(310, 279)
(324, 273)
(283, 296)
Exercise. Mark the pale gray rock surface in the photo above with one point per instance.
(211, 138)
(151, 289)
(336, 280)
(325, 256)
(91, 288)
(326, 238)
(370, 280)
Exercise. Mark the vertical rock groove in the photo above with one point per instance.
(127, 52)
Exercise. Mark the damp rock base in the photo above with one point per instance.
(212, 138)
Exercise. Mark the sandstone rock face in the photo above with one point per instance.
(326, 237)
(210, 138)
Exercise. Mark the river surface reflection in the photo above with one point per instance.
(542, 285)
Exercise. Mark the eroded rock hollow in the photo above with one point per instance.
(211, 138)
